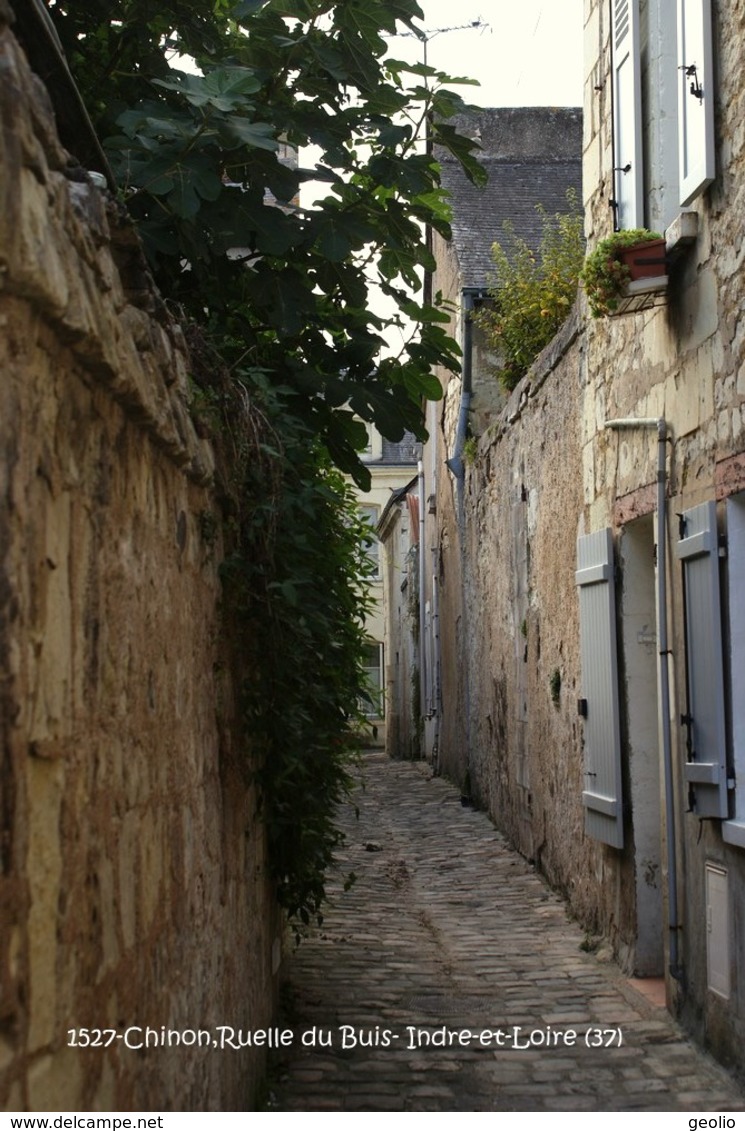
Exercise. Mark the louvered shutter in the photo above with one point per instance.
(707, 769)
(627, 116)
(695, 99)
(602, 795)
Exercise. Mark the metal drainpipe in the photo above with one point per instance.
(457, 467)
(436, 705)
(422, 595)
(675, 968)
(455, 463)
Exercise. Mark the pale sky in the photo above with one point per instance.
(530, 54)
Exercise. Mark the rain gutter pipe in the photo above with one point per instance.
(470, 295)
(455, 463)
(457, 466)
(663, 669)
(422, 603)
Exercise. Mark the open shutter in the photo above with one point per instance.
(627, 116)
(597, 618)
(706, 769)
(695, 98)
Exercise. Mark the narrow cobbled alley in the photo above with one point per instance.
(448, 932)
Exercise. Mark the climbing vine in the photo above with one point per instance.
(295, 584)
(285, 299)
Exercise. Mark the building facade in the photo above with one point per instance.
(533, 158)
(587, 558)
(391, 464)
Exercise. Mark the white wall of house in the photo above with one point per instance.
(386, 478)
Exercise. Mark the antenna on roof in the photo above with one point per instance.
(429, 33)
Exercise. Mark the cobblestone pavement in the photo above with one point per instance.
(447, 929)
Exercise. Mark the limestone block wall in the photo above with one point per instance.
(547, 471)
(132, 880)
(684, 361)
(526, 762)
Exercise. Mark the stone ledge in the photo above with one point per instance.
(535, 378)
(681, 233)
(63, 248)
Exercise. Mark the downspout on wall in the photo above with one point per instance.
(663, 670)
(422, 597)
(455, 463)
(469, 296)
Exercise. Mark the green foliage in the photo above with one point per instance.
(282, 299)
(554, 684)
(470, 449)
(195, 155)
(604, 276)
(295, 583)
(531, 292)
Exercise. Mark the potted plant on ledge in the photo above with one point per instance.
(620, 259)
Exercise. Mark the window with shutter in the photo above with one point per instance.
(371, 514)
(706, 762)
(663, 108)
(627, 116)
(602, 795)
(695, 99)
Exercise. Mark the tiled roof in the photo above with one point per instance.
(405, 451)
(532, 156)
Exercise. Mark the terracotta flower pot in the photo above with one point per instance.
(644, 260)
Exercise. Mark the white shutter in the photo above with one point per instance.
(695, 98)
(627, 116)
(602, 795)
(698, 550)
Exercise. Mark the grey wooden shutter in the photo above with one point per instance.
(602, 795)
(695, 108)
(628, 175)
(699, 553)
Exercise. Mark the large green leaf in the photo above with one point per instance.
(225, 87)
(234, 130)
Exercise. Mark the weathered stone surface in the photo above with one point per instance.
(448, 928)
(547, 469)
(132, 865)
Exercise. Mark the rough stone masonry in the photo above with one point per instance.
(131, 863)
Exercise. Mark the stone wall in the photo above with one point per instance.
(549, 470)
(684, 361)
(524, 510)
(132, 881)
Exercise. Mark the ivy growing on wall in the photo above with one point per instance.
(296, 586)
(286, 298)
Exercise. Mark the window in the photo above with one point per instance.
(372, 704)
(374, 447)
(372, 546)
(663, 108)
